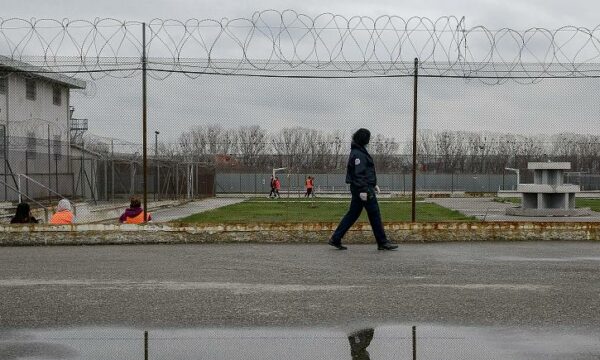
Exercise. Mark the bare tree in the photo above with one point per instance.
(252, 143)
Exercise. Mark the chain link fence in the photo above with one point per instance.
(231, 101)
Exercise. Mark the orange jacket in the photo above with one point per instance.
(138, 219)
(62, 218)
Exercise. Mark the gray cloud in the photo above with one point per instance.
(385, 105)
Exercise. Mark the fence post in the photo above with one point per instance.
(414, 154)
(49, 167)
(414, 342)
(112, 180)
(145, 345)
(19, 187)
(176, 177)
(144, 122)
(56, 172)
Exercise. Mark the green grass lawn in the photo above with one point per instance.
(319, 210)
(593, 204)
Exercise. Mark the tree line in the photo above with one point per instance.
(309, 150)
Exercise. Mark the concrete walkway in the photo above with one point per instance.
(194, 207)
(489, 210)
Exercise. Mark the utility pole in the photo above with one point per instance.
(414, 145)
(156, 163)
(144, 122)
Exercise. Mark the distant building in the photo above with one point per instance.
(35, 129)
(226, 161)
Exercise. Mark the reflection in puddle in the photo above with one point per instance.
(366, 343)
(359, 342)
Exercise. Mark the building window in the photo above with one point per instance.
(56, 95)
(3, 83)
(30, 89)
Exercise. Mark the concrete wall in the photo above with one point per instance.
(15, 235)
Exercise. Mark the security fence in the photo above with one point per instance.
(457, 107)
(399, 184)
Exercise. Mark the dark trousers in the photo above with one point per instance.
(356, 206)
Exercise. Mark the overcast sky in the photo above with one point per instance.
(384, 105)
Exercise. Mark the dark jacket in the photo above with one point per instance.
(360, 173)
(29, 220)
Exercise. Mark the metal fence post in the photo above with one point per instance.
(144, 122)
(145, 345)
(19, 187)
(49, 166)
(414, 150)
(414, 342)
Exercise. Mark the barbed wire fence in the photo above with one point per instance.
(288, 44)
(291, 44)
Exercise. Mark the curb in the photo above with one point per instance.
(291, 233)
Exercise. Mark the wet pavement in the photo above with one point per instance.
(488, 210)
(376, 343)
(520, 284)
(191, 208)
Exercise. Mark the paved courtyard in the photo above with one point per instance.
(469, 301)
(507, 284)
(488, 210)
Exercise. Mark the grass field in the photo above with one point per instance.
(593, 204)
(318, 210)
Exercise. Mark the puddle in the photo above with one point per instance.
(546, 259)
(378, 343)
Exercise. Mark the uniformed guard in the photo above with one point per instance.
(360, 174)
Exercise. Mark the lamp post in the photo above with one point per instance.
(516, 171)
(156, 162)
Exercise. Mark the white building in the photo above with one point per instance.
(35, 123)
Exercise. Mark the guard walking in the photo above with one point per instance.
(360, 174)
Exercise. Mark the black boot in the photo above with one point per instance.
(338, 246)
(387, 246)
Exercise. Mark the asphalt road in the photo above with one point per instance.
(553, 284)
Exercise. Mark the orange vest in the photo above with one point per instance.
(138, 219)
(62, 218)
(309, 184)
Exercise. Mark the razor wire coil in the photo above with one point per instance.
(290, 44)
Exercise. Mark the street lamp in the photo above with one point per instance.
(156, 132)
(516, 171)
